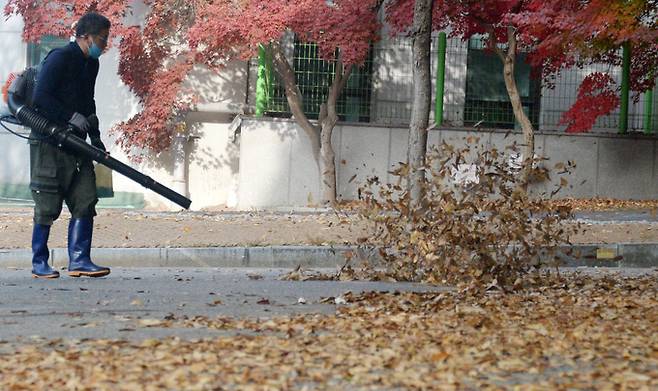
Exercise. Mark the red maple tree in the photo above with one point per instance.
(555, 35)
(153, 61)
(579, 33)
(157, 57)
(342, 29)
(493, 20)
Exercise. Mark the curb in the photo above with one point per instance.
(234, 257)
(622, 255)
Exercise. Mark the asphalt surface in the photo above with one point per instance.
(622, 216)
(115, 306)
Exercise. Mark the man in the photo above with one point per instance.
(64, 94)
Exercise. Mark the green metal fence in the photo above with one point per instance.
(474, 93)
(314, 76)
(487, 102)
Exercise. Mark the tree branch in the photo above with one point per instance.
(345, 77)
(511, 41)
(493, 44)
(340, 80)
(293, 94)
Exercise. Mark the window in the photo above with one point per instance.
(314, 76)
(36, 52)
(487, 102)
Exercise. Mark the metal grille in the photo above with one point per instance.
(475, 93)
(393, 81)
(314, 76)
(487, 102)
(558, 99)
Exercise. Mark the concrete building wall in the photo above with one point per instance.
(392, 86)
(277, 169)
(13, 48)
(14, 160)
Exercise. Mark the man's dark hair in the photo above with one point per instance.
(91, 23)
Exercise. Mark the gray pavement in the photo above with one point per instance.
(130, 303)
(116, 307)
(215, 281)
(617, 216)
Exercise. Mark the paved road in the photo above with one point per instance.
(622, 216)
(112, 307)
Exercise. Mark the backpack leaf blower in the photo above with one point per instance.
(18, 94)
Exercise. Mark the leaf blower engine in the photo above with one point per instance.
(17, 94)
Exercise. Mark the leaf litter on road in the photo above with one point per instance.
(576, 332)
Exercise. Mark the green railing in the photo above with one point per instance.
(469, 89)
(314, 76)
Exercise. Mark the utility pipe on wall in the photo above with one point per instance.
(648, 111)
(179, 149)
(262, 82)
(625, 84)
(440, 79)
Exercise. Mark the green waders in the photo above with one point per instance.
(57, 177)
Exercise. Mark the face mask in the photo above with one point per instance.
(95, 51)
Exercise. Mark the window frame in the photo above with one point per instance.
(37, 51)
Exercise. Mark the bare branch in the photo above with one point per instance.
(493, 44)
(293, 94)
(340, 80)
(511, 41)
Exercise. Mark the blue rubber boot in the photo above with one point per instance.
(40, 253)
(80, 264)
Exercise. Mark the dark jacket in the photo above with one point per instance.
(65, 84)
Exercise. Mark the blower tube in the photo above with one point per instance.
(64, 138)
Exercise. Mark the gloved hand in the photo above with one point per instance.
(95, 133)
(93, 124)
(96, 142)
(80, 122)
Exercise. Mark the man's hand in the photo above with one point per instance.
(80, 122)
(93, 124)
(96, 142)
(95, 133)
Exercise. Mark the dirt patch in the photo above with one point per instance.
(115, 228)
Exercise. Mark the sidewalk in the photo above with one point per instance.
(281, 238)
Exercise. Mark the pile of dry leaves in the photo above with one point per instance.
(475, 225)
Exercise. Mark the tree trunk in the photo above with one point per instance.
(294, 97)
(422, 97)
(327, 162)
(509, 60)
(328, 119)
(320, 136)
